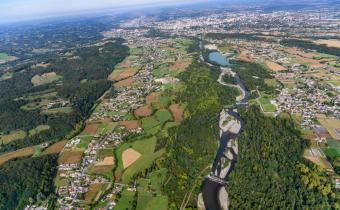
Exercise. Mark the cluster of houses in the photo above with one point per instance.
(127, 99)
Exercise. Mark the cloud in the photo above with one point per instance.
(16, 9)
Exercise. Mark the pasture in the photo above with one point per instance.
(45, 78)
(7, 75)
(63, 110)
(13, 135)
(38, 129)
(126, 201)
(265, 103)
(146, 148)
(332, 125)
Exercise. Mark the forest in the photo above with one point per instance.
(253, 76)
(271, 172)
(83, 81)
(192, 145)
(26, 180)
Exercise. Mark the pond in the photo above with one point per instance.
(217, 57)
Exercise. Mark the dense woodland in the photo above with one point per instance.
(84, 72)
(192, 146)
(26, 180)
(253, 76)
(271, 173)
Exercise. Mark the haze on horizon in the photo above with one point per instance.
(35, 9)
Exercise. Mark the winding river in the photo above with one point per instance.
(215, 182)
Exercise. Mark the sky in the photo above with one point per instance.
(23, 9)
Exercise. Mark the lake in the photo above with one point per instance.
(219, 58)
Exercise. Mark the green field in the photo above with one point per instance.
(14, 135)
(84, 142)
(149, 122)
(150, 191)
(65, 110)
(161, 70)
(163, 116)
(332, 152)
(333, 143)
(146, 149)
(5, 58)
(107, 152)
(105, 128)
(38, 129)
(6, 76)
(334, 82)
(40, 80)
(264, 101)
(126, 201)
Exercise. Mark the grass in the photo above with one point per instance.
(43, 80)
(334, 82)
(149, 122)
(59, 181)
(126, 201)
(107, 152)
(38, 129)
(107, 127)
(264, 101)
(14, 135)
(330, 124)
(333, 143)
(4, 57)
(272, 82)
(6, 76)
(37, 151)
(161, 70)
(332, 152)
(64, 110)
(163, 116)
(146, 148)
(84, 142)
(150, 191)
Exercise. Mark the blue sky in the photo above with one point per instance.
(20, 9)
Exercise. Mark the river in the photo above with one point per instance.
(213, 185)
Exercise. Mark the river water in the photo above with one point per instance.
(211, 189)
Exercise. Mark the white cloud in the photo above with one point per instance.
(16, 9)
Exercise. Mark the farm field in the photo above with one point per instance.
(332, 125)
(55, 148)
(65, 110)
(265, 103)
(45, 78)
(126, 201)
(70, 157)
(334, 82)
(6, 76)
(4, 58)
(329, 42)
(28, 151)
(275, 66)
(13, 135)
(93, 192)
(145, 148)
(38, 129)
